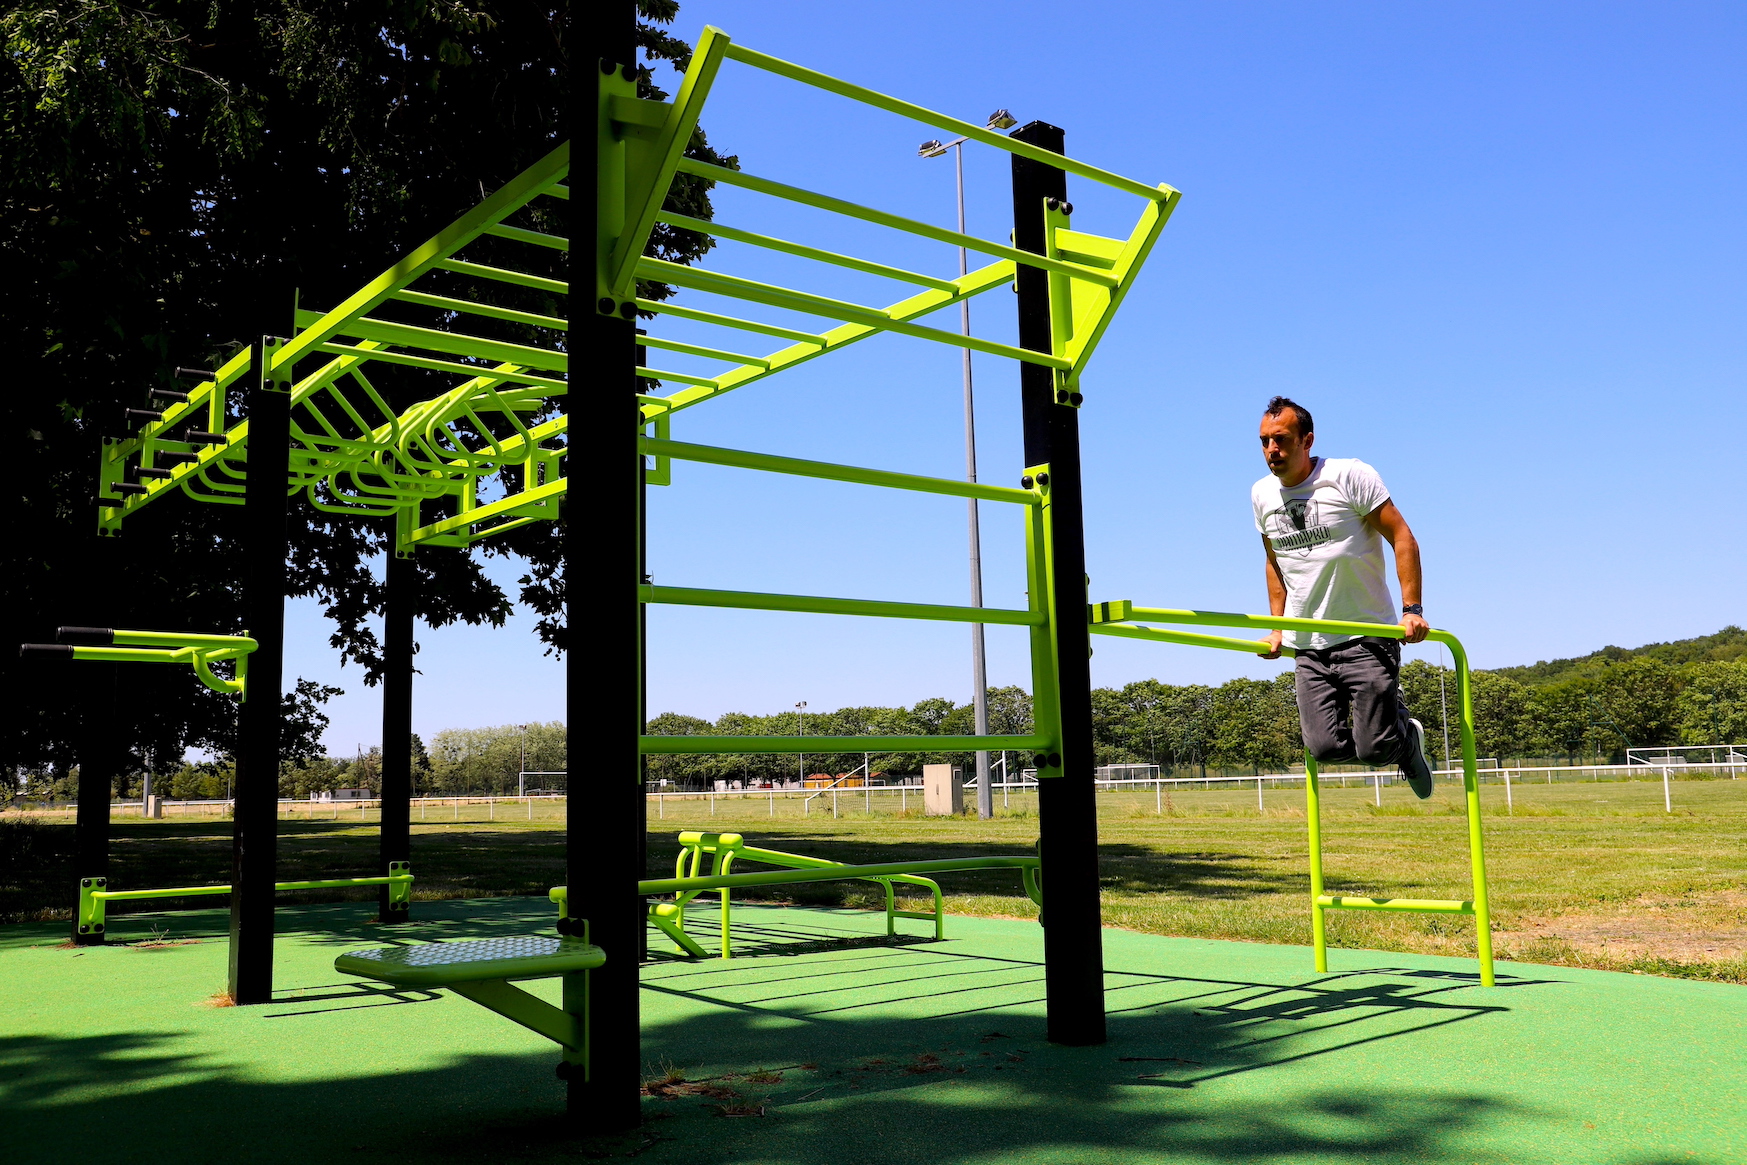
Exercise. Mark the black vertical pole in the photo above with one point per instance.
(1072, 938)
(601, 573)
(99, 759)
(256, 827)
(399, 603)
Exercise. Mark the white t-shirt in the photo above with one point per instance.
(1330, 556)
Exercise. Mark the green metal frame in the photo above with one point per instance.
(495, 417)
(722, 849)
(1117, 618)
(95, 894)
(198, 651)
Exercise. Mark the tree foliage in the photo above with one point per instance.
(170, 176)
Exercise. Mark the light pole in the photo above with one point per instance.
(1000, 119)
(801, 730)
(522, 767)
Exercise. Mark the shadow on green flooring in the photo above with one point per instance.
(825, 1043)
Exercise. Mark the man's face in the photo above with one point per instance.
(1287, 453)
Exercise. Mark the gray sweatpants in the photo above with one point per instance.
(1349, 702)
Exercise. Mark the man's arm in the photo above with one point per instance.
(1276, 599)
(1388, 522)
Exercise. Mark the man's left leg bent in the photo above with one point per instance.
(1373, 671)
(1383, 730)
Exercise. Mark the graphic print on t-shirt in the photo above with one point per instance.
(1296, 527)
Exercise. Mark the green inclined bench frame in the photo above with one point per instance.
(95, 894)
(723, 849)
(485, 971)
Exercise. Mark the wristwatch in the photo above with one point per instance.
(1414, 609)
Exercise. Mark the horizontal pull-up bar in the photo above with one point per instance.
(825, 745)
(741, 459)
(909, 226)
(810, 604)
(941, 121)
(108, 645)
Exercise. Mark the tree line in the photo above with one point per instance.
(1691, 692)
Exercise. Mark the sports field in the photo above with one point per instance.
(1582, 874)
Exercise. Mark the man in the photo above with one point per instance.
(1323, 523)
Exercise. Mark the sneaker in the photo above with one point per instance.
(1414, 765)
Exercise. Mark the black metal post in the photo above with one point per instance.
(1072, 937)
(398, 608)
(99, 760)
(601, 573)
(254, 857)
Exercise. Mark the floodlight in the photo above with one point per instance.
(932, 148)
(1001, 119)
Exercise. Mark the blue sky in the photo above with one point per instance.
(1496, 248)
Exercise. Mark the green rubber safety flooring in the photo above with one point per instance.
(824, 1043)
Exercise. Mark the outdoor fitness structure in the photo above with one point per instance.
(490, 449)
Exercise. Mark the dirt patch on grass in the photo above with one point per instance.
(1705, 927)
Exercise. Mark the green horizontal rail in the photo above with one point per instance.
(769, 243)
(196, 891)
(1187, 638)
(555, 242)
(816, 605)
(1266, 622)
(662, 307)
(826, 874)
(940, 121)
(512, 375)
(701, 351)
(897, 222)
(501, 275)
(1415, 905)
(453, 343)
(491, 311)
(735, 287)
(742, 459)
(824, 745)
(681, 377)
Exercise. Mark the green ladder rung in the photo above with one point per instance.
(1412, 905)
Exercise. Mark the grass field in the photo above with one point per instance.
(1594, 875)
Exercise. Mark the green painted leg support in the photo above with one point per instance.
(1313, 814)
(668, 919)
(561, 1026)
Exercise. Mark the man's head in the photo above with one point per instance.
(1287, 435)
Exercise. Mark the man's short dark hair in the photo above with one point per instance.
(1280, 404)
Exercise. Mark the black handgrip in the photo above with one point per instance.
(143, 415)
(154, 474)
(44, 651)
(202, 437)
(168, 394)
(196, 373)
(86, 636)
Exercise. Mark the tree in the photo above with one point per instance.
(1713, 706)
(169, 176)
